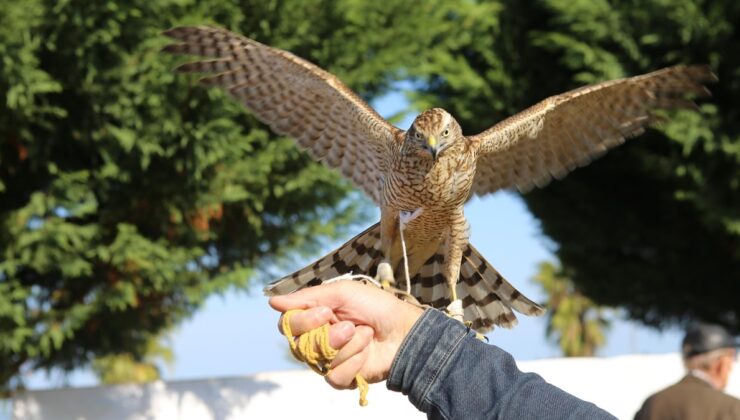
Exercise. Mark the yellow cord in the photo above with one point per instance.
(305, 350)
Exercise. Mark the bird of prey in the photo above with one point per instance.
(422, 177)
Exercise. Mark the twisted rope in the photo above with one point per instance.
(313, 349)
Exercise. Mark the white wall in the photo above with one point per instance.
(617, 384)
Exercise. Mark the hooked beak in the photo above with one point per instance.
(433, 146)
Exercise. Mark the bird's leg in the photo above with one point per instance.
(385, 275)
(456, 241)
(404, 218)
(452, 267)
(388, 225)
(384, 271)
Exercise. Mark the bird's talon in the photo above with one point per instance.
(455, 310)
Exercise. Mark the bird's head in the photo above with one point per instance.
(433, 132)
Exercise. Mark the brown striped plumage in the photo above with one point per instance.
(432, 168)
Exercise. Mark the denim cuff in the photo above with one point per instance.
(424, 354)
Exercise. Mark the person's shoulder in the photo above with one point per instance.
(725, 406)
(689, 395)
(729, 401)
(656, 404)
(716, 401)
(685, 385)
(670, 397)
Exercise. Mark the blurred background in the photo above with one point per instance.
(141, 213)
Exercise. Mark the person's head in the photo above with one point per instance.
(710, 349)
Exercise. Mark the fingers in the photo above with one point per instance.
(351, 341)
(332, 295)
(340, 333)
(361, 338)
(343, 376)
(350, 359)
(304, 298)
(302, 322)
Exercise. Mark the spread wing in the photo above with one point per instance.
(295, 98)
(567, 131)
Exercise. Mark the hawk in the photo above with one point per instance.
(428, 172)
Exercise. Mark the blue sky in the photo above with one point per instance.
(235, 334)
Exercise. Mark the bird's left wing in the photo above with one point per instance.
(567, 131)
(295, 98)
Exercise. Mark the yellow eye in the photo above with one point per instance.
(446, 133)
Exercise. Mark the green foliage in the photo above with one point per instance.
(653, 226)
(129, 194)
(574, 321)
(127, 368)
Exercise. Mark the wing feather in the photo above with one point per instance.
(570, 130)
(295, 98)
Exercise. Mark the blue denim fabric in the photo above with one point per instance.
(449, 374)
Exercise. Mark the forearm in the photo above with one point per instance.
(448, 373)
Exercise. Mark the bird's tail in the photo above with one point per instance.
(488, 299)
(360, 255)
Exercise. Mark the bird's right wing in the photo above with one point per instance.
(295, 98)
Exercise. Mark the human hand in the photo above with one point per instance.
(368, 326)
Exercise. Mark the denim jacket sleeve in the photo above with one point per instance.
(449, 374)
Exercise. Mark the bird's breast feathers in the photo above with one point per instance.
(443, 184)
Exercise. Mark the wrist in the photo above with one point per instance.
(426, 350)
(410, 317)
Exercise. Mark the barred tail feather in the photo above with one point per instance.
(490, 298)
(359, 255)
